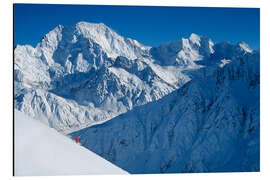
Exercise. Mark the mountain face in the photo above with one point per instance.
(86, 74)
(211, 124)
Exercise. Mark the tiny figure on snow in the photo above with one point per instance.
(77, 139)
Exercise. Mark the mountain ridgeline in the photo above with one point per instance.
(189, 105)
(211, 124)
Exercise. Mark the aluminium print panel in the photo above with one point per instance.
(135, 89)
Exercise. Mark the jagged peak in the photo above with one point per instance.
(194, 38)
(238, 47)
(84, 24)
(52, 37)
(95, 29)
(57, 29)
(111, 42)
(244, 46)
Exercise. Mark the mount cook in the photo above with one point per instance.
(190, 105)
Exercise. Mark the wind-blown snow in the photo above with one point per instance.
(40, 150)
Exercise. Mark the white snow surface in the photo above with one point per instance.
(42, 151)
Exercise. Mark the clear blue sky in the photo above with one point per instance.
(149, 25)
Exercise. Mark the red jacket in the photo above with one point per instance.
(77, 139)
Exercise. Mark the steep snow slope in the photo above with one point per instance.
(40, 150)
(211, 124)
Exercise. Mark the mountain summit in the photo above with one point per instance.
(87, 74)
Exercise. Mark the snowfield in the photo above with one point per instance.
(40, 150)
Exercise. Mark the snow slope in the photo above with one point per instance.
(40, 150)
(211, 124)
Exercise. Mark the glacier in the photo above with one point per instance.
(189, 105)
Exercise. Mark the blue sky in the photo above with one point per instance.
(147, 24)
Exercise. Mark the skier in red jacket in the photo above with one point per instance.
(77, 139)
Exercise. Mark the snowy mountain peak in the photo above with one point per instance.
(93, 30)
(228, 50)
(194, 38)
(63, 44)
(244, 46)
(184, 51)
(112, 43)
(87, 73)
(50, 41)
(205, 43)
(90, 25)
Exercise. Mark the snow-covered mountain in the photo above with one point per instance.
(189, 105)
(211, 124)
(42, 151)
(183, 52)
(86, 74)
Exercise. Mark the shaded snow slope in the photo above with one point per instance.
(40, 150)
(211, 124)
